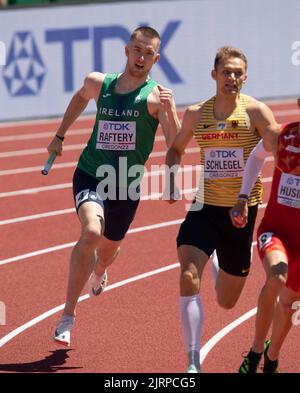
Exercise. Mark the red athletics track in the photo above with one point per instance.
(134, 326)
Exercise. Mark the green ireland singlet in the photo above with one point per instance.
(123, 133)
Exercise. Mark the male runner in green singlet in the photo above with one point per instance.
(129, 108)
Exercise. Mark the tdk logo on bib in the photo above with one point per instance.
(289, 190)
(223, 163)
(25, 70)
(116, 126)
(116, 135)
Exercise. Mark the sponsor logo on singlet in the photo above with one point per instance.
(223, 163)
(265, 239)
(221, 126)
(289, 190)
(116, 135)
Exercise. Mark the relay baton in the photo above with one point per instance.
(49, 163)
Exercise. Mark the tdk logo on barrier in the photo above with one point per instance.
(2, 53)
(25, 70)
(68, 38)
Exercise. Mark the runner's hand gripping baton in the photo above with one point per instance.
(49, 163)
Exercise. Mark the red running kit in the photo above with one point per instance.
(280, 226)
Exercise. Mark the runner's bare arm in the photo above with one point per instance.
(190, 119)
(264, 121)
(175, 152)
(270, 138)
(90, 90)
(161, 105)
(167, 114)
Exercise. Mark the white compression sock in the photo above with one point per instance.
(191, 313)
(214, 266)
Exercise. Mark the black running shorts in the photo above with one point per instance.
(118, 214)
(211, 229)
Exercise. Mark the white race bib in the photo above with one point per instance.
(289, 190)
(116, 135)
(223, 163)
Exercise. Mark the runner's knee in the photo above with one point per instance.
(226, 303)
(189, 278)
(91, 234)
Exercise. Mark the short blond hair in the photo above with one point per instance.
(229, 51)
(147, 32)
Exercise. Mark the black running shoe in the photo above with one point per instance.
(250, 363)
(270, 366)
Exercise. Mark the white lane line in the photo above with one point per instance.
(41, 135)
(36, 216)
(68, 245)
(38, 168)
(153, 196)
(70, 164)
(43, 150)
(61, 186)
(211, 343)
(49, 134)
(35, 253)
(204, 350)
(54, 310)
(80, 146)
(38, 150)
(63, 165)
(54, 120)
(222, 333)
(35, 190)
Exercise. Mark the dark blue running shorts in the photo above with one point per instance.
(118, 214)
